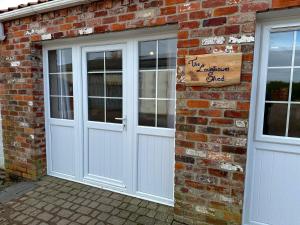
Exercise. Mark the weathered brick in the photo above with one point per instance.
(225, 11)
(214, 22)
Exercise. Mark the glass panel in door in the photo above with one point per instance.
(105, 86)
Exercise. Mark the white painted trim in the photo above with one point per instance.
(1, 144)
(40, 8)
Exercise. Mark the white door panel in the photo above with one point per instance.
(272, 184)
(62, 154)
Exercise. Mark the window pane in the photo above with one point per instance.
(296, 85)
(67, 84)
(114, 85)
(294, 123)
(62, 107)
(297, 53)
(165, 113)
(96, 84)
(113, 110)
(55, 84)
(275, 119)
(95, 61)
(113, 61)
(147, 83)
(147, 55)
(278, 81)
(67, 108)
(147, 113)
(66, 60)
(96, 109)
(281, 49)
(55, 105)
(53, 60)
(167, 51)
(166, 82)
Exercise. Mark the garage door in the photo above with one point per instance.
(273, 184)
(111, 115)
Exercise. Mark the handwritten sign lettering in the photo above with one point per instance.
(214, 70)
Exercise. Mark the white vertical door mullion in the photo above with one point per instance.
(291, 84)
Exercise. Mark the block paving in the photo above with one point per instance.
(61, 202)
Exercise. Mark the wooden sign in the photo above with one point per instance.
(213, 70)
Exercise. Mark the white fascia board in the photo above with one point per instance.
(40, 8)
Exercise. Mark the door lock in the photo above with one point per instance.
(122, 119)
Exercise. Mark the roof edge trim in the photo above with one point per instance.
(40, 8)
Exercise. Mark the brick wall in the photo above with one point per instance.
(212, 123)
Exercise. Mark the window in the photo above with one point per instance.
(282, 100)
(105, 89)
(61, 84)
(157, 80)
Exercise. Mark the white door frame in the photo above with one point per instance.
(283, 21)
(1, 144)
(77, 46)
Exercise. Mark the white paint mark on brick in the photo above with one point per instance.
(213, 41)
(15, 63)
(241, 39)
(229, 49)
(23, 124)
(31, 136)
(224, 198)
(30, 103)
(87, 30)
(46, 37)
(223, 104)
(145, 13)
(242, 142)
(205, 210)
(231, 167)
(35, 31)
(193, 152)
(241, 123)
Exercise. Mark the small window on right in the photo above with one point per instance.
(282, 100)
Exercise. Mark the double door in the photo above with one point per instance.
(111, 115)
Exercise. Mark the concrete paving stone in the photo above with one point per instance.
(94, 214)
(132, 208)
(142, 211)
(135, 201)
(63, 222)
(36, 212)
(92, 222)
(40, 205)
(143, 204)
(21, 217)
(78, 200)
(28, 220)
(75, 216)
(133, 216)
(105, 208)
(86, 202)
(115, 203)
(74, 207)
(65, 213)
(103, 216)
(93, 204)
(151, 213)
(124, 214)
(152, 205)
(104, 200)
(128, 222)
(84, 210)
(161, 216)
(83, 219)
(49, 207)
(44, 216)
(54, 220)
(67, 205)
(115, 211)
(59, 202)
(145, 220)
(124, 205)
(115, 220)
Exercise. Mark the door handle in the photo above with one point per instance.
(122, 119)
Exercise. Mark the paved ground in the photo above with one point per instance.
(55, 201)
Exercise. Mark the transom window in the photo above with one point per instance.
(61, 84)
(282, 100)
(105, 89)
(157, 80)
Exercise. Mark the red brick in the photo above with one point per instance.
(188, 43)
(118, 27)
(182, 34)
(189, 25)
(284, 3)
(227, 30)
(236, 114)
(108, 20)
(126, 17)
(198, 104)
(254, 6)
(168, 10)
(225, 11)
(196, 137)
(198, 15)
(210, 112)
(214, 22)
(197, 120)
(213, 3)
(221, 121)
(173, 2)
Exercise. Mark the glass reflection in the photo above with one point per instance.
(278, 81)
(275, 119)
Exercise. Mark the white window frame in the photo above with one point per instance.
(262, 70)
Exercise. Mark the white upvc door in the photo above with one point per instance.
(273, 165)
(110, 114)
(106, 141)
